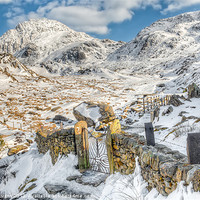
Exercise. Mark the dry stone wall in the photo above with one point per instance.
(61, 142)
(161, 167)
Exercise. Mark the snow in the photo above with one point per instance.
(33, 165)
(165, 52)
(133, 186)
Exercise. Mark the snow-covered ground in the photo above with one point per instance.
(129, 187)
(37, 103)
(167, 53)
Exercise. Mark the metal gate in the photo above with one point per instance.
(98, 157)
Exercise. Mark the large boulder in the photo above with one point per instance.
(93, 113)
(193, 91)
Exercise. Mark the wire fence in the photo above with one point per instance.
(142, 128)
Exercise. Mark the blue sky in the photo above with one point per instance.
(113, 19)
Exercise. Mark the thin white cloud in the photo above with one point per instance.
(5, 1)
(174, 5)
(81, 18)
(92, 15)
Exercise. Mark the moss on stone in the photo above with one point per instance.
(16, 149)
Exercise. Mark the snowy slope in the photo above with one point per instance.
(169, 47)
(11, 69)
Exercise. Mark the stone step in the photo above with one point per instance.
(89, 177)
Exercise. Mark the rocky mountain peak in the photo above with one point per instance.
(42, 25)
(34, 31)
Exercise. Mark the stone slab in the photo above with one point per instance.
(89, 177)
(149, 132)
(193, 148)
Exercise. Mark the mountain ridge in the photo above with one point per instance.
(169, 48)
(54, 46)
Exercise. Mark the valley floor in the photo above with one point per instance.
(30, 106)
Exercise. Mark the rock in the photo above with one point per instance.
(54, 189)
(73, 178)
(2, 143)
(55, 109)
(161, 85)
(60, 118)
(84, 71)
(29, 141)
(115, 126)
(193, 91)
(74, 55)
(2, 173)
(196, 181)
(168, 169)
(168, 111)
(181, 172)
(30, 187)
(89, 178)
(183, 119)
(29, 50)
(174, 100)
(190, 173)
(66, 191)
(93, 113)
(129, 121)
(181, 113)
(16, 149)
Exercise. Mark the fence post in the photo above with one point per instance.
(148, 108)
(110, 150)
(82, 145)
(149, 134)
(193, 148)
(61, 125)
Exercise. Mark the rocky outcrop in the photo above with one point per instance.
(30, 50)
(168, 111)
(193, 91)
(161, 167)
(175, 101)
(61, 142)
(94, 113)
(75, 55)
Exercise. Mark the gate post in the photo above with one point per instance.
(82, 145)
(110, 150)
(193, 148)
(149, 134)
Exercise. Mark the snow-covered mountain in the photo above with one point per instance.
(51, 44)
(169, 47)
